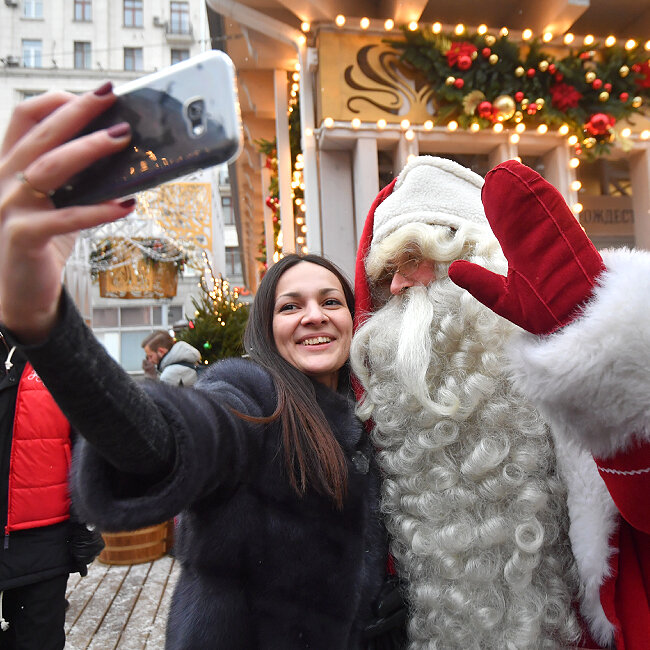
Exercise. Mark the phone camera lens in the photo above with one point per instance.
(195, 111)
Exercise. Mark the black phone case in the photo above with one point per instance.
(182, 119)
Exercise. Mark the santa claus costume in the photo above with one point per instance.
(513, 427)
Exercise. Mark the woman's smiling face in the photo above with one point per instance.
(312, 325)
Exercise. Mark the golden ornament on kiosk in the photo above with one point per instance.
(504, 107)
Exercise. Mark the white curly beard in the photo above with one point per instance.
(473, 504)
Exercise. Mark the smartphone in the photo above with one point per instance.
(183, 118)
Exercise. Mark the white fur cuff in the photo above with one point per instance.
(591, 380)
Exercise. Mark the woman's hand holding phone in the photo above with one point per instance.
(37, 157)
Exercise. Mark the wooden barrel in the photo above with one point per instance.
(135, 546)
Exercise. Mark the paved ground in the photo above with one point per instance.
(121, 607)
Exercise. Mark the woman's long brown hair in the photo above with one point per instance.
(313, 456)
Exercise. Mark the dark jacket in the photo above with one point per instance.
(37, 553)
(261, 567)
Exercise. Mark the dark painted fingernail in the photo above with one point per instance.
(104, 89)
(119, 130)
(127, 203)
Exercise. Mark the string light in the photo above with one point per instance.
(514, 138)
(630, 44)
(588, 40)
(568, 38)
(436, 28)
(626, 132)
(381, 123)
(410, 134)
(364, 23)
(564, 129)
(572, 140)
(428, 125)
(542, 128)
(389, 24)
(356, 123)
(577, 208)
(610, 40)
(482, 29)
(503, 31)
(527, 34)
(498, 127)
(453, 125)
(459, 29)
(328, 122)
(413, 26)
(576, 185)
(547, 37)
(340, 20)
(574, 163)
(405, 124)
(645, 134)
(475, 127)
(305, 26)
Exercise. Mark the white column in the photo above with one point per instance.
(640, 177)
(559, 174)
(310, 170)
(284, 160)
(365, 173)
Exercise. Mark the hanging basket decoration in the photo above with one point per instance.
(136, 268)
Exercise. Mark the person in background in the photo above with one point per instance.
(175, 361)
(512, 421)
(41, 540)
(281, 544)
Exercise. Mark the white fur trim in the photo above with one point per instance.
(591, 380)
(431, 190)
(593, 519)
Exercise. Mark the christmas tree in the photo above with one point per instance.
(217, 328)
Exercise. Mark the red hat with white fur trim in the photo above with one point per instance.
(431, 190)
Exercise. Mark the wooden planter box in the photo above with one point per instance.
(144, 279)
(137, 546)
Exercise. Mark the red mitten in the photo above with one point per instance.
(552, 265)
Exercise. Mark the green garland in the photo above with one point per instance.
(483, 79)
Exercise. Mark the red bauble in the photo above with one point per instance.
(600, 124)
(269, 202)
(578, 151)
(275, 219)
(597, 84)
(532, 109)
(608, 87)
(459, 83)
(559, 76)
(485, 52)
(624, 97)
(464, 62)
(552, 68)
(530, 72)
(519, 96)
(636, 67)
(485, 109)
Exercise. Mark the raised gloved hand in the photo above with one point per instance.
(552, 265)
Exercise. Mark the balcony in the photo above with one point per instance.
(179, 33)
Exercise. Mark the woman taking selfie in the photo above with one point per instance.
(281, 544)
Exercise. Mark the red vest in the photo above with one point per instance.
(40, 458)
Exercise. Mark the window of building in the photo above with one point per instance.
(179, 18)
(180, 55)
(228, 214)
(133, 58)
(82, 55)
(605, 194)
(121, 330)
(32, 53)
(27, 94)
(82, 10)
(33, 8)
(233, 262)
(133, 13)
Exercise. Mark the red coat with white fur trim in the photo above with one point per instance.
(591, 382)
